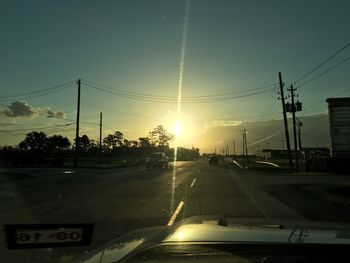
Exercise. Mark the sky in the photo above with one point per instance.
(134, 56)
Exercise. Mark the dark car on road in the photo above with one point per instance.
(157, 159)
(214, 160)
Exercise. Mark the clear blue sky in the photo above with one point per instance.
(136, 46)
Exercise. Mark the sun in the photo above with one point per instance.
(177, 129)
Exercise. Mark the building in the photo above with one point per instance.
(339, 122)
(306, 153)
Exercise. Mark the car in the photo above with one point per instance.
(213, 159)
(157, 159)
(222, 239)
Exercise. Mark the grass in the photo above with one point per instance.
(105, 163)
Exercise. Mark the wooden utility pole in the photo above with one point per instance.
(100, 160)
(234, 147)
(77, 141)
(285, 122)
(243, 144)
(246, 146)
(293, 108)
(299, 135)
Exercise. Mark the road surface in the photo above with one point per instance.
(123, 199)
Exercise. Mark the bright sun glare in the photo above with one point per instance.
(177, 129)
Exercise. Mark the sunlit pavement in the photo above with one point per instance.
(123, 199)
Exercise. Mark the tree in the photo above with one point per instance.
(109, 141)
(85, 143)
(36, 141)
(134, 143)
(144, 142)
(118, 136)
(126, 143)
(113, 140)
(58, 142)
(159, 136)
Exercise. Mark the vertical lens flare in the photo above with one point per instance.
(179, 96)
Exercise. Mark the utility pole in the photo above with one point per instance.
(299, 135)
(234, 147)
(285, 122)
(100, 160)
(246, 146)
(77, 141)
(293, 109)
(243, 144)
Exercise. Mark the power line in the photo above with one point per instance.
(323, 62)
(174, 100)
(85, 122)
(322, 101)
(324, 72)
(153, 96)
(35, 96)
(118, 112)
(36, 93)
(38, 128)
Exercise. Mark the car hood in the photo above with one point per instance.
(216, 229)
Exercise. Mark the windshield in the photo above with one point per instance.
(246, 105)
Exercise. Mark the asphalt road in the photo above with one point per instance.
(123, 199)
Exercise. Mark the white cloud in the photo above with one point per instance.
(55, 114)
(21, 109)
(222, 123)
(262, 134)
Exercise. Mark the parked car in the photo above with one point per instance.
(157, 159)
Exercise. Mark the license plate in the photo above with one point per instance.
(48, 235)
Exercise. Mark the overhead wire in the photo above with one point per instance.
(84, 122)
(324, 72)
(174, 100)
(153, 96)
(323, 62)
(322, 101)
(37, 93)
(37, 128)
(118, 112)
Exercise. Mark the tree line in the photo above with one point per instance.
(39, 149)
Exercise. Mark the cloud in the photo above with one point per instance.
(222, 123)
(55, 114)
(263, 134)
(19, 109)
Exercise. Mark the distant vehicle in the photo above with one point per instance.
(213, 160)
(157, 159)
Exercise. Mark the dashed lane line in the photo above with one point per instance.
(176, 213)
(193, 182)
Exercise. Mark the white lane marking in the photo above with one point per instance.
(192, 184)
(256, 204)
(236, 179)
(176, 213)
